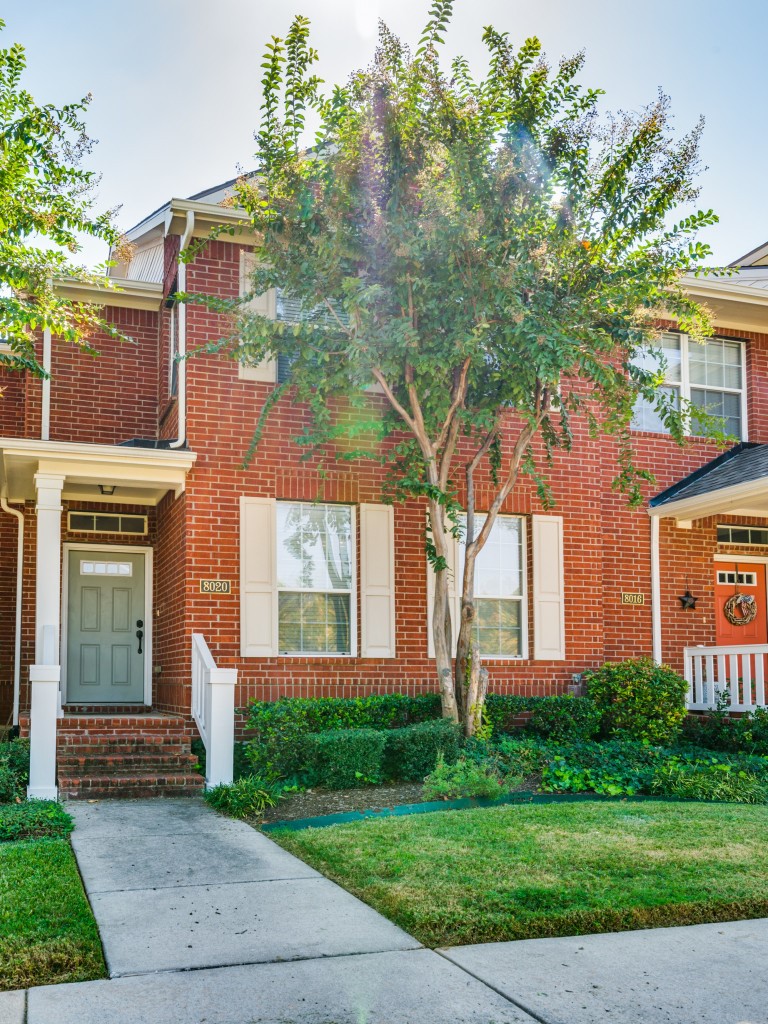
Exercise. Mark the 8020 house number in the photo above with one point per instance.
(215, 586)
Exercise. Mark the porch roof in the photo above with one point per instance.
(140, 476)
(734, 483)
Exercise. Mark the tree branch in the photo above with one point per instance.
(459, 394)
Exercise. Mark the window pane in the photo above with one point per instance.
(314, 623)
(715, 363)
(719, 403)
(646, 416)
(498, 630)
(499, 566)
(314, 546)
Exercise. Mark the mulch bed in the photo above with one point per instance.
(313, 803)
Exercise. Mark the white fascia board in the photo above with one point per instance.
(725, 289)
(171, 219)
(717, 502)
(114, 291)
(111, 453)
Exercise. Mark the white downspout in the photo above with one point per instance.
(45, 426)
(655, 590)
(181, 440)
(19, 591)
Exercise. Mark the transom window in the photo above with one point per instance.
(742, 535)
(315, 578)
(106, 568)
(499, 587)
(709, 374)
(746, 579)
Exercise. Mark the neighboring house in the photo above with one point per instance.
(140, 529)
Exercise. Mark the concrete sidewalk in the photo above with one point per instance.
(205, 921)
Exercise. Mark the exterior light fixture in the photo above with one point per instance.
(107, 488)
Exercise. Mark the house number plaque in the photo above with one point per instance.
(215, 586)
(633, 598)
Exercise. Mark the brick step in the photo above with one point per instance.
(107, 764)
(130, 786)
(123, 748)
(70, 723)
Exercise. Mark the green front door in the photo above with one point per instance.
(106, 614)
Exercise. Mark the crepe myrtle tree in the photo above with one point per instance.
(491, 254)
(46, 202)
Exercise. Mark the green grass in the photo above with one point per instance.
(47, 930)
(490, 875)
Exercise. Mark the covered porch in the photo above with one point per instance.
(728, 500)
(85, 582)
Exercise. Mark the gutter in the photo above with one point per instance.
(19, 590)
(181, 440)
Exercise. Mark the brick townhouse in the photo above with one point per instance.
(145, 573)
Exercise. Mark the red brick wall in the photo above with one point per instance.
(11, 403)
(171, 639)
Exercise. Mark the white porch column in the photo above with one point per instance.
(655, 590)
(45, 674)
(48, 571)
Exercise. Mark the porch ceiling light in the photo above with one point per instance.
(107, 488)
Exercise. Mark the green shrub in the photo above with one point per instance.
(612, 768)
(639, 700)
(345, 758)
(279, 727)
(719, 730)
(34, 819)
(14, 770)
(709, 780)
(465, 778)
(248, 797)
(502, 709)
(564, 719)
(412, 752)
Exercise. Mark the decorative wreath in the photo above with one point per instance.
(740, 609)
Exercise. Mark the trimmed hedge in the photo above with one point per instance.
(563, 717)
(412, 753)
(280, 727)
(345, 758)
(34, 819)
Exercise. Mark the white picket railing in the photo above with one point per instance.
(742, 671)
(213, 709)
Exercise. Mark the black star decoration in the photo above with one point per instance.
(688, 600)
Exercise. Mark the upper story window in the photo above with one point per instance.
(711, 375)
(315, 578)
(499, 587)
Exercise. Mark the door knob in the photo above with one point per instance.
(140, 634)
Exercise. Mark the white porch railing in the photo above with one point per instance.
(213, 709)
(742, 671)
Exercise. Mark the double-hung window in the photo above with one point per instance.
(315, 578)
(499, 588)
(710, 375)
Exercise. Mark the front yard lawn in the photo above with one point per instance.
(495, 874)
(47, 930)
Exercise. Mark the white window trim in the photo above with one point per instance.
(521, 598)
(134, 549)
(683, 386)
(266, 371)
(353, 591)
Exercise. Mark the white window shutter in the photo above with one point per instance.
(258, 585)
(453, 596)
(377, 581)
(548, 589)
(264, 305)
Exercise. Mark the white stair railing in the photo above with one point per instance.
(213, 709)
(741, 671)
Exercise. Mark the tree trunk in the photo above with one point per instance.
(441, 616)
(469, 670)
(476, 690)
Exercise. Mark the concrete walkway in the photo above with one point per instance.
(205, 921)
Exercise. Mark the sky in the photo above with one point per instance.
(176, 83)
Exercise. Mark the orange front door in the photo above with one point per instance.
(751, 581)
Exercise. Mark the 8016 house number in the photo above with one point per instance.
(215, 586)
